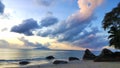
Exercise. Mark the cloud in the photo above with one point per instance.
(29, 25)
(48, 21)
(2, 6)
(29, 44)
(26, 27)
(25, 44)
(4, 44)
(4, 29)
(45, 3)
(70, 30)
(74, 28)
(88, 5)
(74, 24)
(64, 46)
(91, 39)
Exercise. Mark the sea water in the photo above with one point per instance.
(12, 57)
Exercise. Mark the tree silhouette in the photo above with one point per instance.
(111, 22)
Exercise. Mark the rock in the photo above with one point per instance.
(106, 55)
(60, 62)
(73, 58)
(24, 62)
(117, 54)
(50, 57)
(88, 55)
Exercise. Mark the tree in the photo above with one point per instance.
(111, 23)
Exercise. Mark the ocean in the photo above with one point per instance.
(12, 57)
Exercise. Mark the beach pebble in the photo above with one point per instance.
(60, 62)
(50, 57)
(24, 62)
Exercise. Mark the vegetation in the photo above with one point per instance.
(111, 23)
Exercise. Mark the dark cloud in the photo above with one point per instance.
(26, 27)
(2, 6)
(45, 3)
(48, 21)
(29, 25)
(73, 30)
(91, 39)
(67, 29)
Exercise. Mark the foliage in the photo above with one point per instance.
(111, 22)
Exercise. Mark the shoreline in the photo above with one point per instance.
(86, 60)
(76, 64)
(17, 65)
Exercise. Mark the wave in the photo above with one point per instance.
(17, 60)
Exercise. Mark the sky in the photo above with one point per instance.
(54, 24)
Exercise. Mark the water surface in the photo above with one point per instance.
(12, 57)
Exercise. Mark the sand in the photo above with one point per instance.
(78, 64)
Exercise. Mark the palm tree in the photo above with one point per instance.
(111, 22)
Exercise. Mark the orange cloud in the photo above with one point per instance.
(87, 7)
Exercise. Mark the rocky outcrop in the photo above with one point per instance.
(88, 55)
(73, 58)
(108, 56)
(50, 57)
(60, 62)
(106, 53)
(117, 54)
(24, 62)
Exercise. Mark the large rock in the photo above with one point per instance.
(50, 57)
(88, 55)
(106, 55)
(60, 62)
(117, 54)
(24, 62)
(73, 58)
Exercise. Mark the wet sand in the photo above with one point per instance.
(77, 64)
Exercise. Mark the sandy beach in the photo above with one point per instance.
(78, 64)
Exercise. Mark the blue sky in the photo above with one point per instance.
(54, 24)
